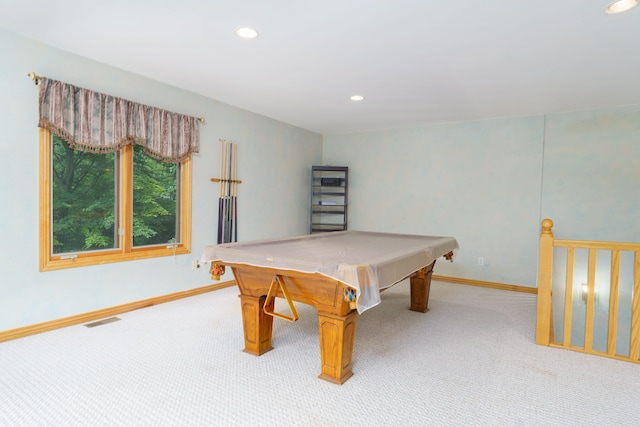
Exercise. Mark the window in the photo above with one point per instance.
(103, 195)
(101, 208)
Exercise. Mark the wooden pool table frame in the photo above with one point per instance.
(336, 316)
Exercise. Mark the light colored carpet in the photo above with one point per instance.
(471, 360)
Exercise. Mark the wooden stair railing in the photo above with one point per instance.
(545, 322)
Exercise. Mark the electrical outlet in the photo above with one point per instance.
(480, 260)
(195, 264)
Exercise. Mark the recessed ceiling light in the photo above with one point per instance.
(247, 33)
(357, 98)
(620, 6)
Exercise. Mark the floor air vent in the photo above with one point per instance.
(102, 322)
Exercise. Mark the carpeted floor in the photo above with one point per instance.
(470, 361)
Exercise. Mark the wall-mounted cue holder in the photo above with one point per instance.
(234, 181)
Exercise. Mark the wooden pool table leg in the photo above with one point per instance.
(337, 334)
(258, 325)
(420, 286)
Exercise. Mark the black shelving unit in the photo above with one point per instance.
(329, 198)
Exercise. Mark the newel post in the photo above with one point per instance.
(544, 323)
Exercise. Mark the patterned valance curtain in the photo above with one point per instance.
(99, 123)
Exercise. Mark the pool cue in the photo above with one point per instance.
(232, 214)
(225, 201)
(229, 184)
(226, 191)
(220, 202)
(229, 197)
(220, 209)
(234, 189)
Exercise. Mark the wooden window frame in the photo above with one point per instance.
(125, 251)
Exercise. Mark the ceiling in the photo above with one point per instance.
(415, 61)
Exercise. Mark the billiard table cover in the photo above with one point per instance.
(388, 258)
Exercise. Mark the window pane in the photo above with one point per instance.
(155, 196)
(83, 199)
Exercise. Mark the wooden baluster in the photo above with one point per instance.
(613, 302)
(591, 301)
(568, 298)
(543, 324)
(635, 311)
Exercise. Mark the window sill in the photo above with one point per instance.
(86, 259)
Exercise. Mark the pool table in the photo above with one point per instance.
(340, 273)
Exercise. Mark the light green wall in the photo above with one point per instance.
(591, 186)
(490, 183)
(274, 163)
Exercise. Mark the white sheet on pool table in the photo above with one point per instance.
(387, 257)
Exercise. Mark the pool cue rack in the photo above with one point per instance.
(227, 201)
